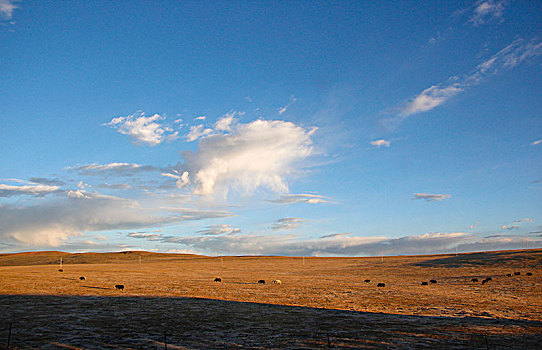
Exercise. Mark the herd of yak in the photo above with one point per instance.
(381, 285)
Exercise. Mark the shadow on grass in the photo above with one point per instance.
(45, 321)
(508, 259)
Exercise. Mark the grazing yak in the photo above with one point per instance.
(119, 286)
(424, 283)
(509, 275)
(433, 281)
(60, 270)
(277, 281)
(529, 273)
(218, 279)
(381, 285)
(474, 280)
(261, 281)
(486, 280)
(82, 278)
(367, 281)
(517, 273)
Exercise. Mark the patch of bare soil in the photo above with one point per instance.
(318, 299)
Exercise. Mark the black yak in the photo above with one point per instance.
(509, 275)
(424, 283)
(367, 281)
(529, 273)
(82, 278)
(517, 273)
(261, 281)
(433, 281)
(381, 285)
(119, 286)
(474, 280)
(218, 279)
(60, 270)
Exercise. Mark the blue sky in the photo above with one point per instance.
(289, 128)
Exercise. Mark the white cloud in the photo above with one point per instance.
(339, 245)
(196, 214)
(6, 8)
(33, 190)
(380, 143)
(509, 227)
(285, 108)
(286, 224)
(430, 98)
(142, 129)
(116, 169)
(202, 117)
(300, 198)
(486, 11)
(224, 123)
(516, 53)
(524, 220)
(52, 223)
(534, 143)
(258, 154)
(182, 180)
(335, 235)
(431, 197)
(146, 235)
(45, 181)
(345, 245)
(118, 186)
(196, 132)
(216, 230)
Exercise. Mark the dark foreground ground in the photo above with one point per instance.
(96, 322)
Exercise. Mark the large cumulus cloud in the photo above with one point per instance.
(258, 154)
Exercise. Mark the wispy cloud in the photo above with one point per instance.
(523, 220)
(225, 122)
(381, 143)
(509, 227)
(53, 222)
(518, 52)
(33, 190)
(119, 186)
(534, 143)
(486, 11)
(258, 154)
(150, 236)
(216, 230)
(431, 197)
(7, 7)
(143, 129)
(116, 169)
(45, 181)
(335, 235)
(197, 131)
(300, 198)
(286, 224)
(196, 214)
(285, 108)
(345, 245)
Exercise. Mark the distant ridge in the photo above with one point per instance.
(53, 257)
(504, 257)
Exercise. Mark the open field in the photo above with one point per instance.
(318, 298)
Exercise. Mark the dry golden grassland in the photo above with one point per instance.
(319, 298)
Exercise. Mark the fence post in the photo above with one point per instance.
(9, 335)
